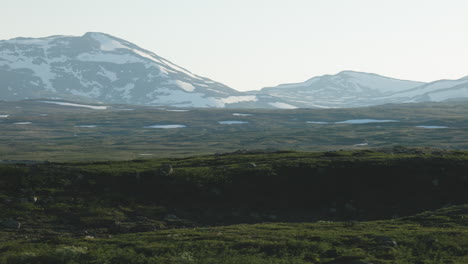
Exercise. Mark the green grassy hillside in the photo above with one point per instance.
(366, 206)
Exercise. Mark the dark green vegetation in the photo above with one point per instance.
(363, 206)
(120, 133)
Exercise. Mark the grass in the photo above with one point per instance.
(120, 135)
(363, 206)
(87, 195)
(391, 241)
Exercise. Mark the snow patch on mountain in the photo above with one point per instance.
(183, 85)
(97, 67)
(112, 76)
(282, 105)
(238, 99)
(95, 107)
(107, 44)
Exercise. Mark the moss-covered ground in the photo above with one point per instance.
(390, 205)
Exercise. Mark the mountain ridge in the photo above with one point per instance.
(98, 67)
(358, 89)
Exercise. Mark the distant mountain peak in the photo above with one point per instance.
(98, 67)
(344, 89)
(101, 67)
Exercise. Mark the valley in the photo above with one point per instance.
(34, 130)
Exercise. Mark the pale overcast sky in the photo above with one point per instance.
(250, 44)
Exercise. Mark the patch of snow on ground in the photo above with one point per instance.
(282, 105)
(238, 99)
(95, 107)
(4, 116)
(23, 123)
(183, 85)
(148, 56)
(86, 126)
(361, 144)
(232, 122)
(42, 71)
(432, 127)
(108, 74)
(107, 44)
(239, 114)
(166, 126)
(365, 121)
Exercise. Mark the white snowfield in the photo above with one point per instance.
(4, 116)
(107, 44)
(283, 105)
(87, 126)
(182, 85)
(238, 99)
(95, 107)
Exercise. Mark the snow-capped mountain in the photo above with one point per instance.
(345, 89)
(358, 89)
(97, 67)
(438, 91)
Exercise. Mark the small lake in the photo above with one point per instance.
(432, 127)
(167, 126)
(23, 123)
(318, 122)
(353, 121)
(232, 122)
(366, 121)
(240, 114)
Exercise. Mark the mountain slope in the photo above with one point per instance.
(437, 91)
(358, 89)
(345, 89)
(100, 67)
(97, 67)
